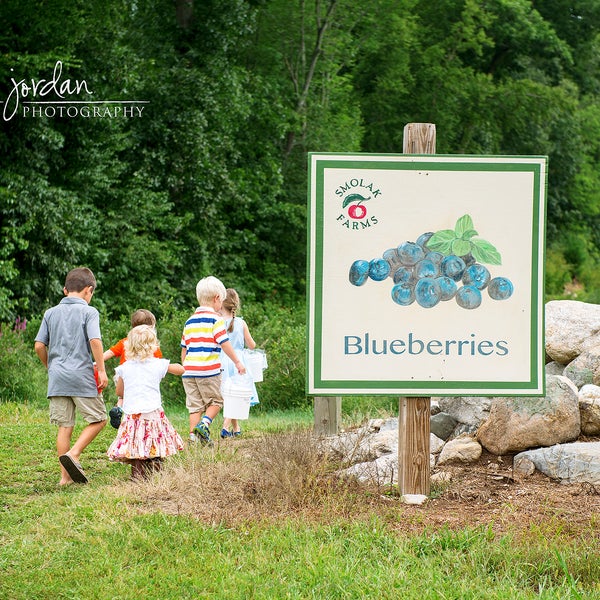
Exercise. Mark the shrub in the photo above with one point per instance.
(22, 375)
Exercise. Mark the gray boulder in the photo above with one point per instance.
(571, 328)
(589, 408)
(578, 462)
(517, 424)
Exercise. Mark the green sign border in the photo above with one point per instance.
(315, 250)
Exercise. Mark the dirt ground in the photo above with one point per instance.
(485, 493)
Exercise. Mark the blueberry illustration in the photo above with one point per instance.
(393, 259)
(476, 275)
(424, 238)
(435, 257)
(410, 253)
(453, 266)
(359, 272)
(379, 269)
(426, 268)
(500, 288)
(447, 287)
(428, 292)
(403, 294)
(468, 297)
(404, 275)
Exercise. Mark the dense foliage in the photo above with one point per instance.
(211, 178)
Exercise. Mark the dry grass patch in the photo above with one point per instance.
(262, 478)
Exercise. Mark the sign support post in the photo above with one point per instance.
(414, 414)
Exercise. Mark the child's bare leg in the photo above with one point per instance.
(235, 425)
(226, 424)
(194, 420)
(88, 433)
(212, 411)
(63, 444)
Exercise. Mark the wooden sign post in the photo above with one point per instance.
(414, 413)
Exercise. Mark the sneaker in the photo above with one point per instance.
(202, 433)
(225, 434)
(193, 438)
(236, 433)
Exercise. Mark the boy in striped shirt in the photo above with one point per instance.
(204, 336)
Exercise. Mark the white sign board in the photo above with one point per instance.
(426, 275)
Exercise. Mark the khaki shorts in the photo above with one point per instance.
(62, 409)
(202, 392)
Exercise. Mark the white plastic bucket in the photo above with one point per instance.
(236, 393)
(255, 363)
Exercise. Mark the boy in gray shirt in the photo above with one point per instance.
(69, 332)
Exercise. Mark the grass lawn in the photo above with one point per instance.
(116, 539)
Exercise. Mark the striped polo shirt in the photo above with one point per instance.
(203, 334)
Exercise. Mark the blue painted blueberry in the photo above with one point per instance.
(435, 257)
(410, 253)
(393, 259)
(468, 297)
(453, 266)
(447, 287)
(424, 238)
(379, 269)
(403, 294)
(476, 275)
(404, 275)
(500, 288)
(426, 268)
(428, 292)
(359, 272)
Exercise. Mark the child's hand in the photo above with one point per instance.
(240, 367)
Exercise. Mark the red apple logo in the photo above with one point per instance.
(357, 210)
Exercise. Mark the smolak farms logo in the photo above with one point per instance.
(358, 198)
(62, 97)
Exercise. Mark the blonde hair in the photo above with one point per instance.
(141, 343)
(208, 288)
(232, 305)
(143, 317)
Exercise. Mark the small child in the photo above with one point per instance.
(204, 336)
(239, 335)
(145, 436)
(68, 333)
(139, 317)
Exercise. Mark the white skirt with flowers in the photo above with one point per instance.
(145, 435)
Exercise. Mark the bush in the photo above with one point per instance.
(22, 375)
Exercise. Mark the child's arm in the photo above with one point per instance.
(183, 354)
(119, 388)
(96, 346)
(175, 369)
(109, 354)
(228, 349)
(42, 352)
(248, 339)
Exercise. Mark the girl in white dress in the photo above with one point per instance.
(145, 436)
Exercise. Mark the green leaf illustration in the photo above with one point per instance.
(461, 240)
(484, 252)
(354, 198)
(467, 235)
(461, 247)
(464, 224)
(442, 241)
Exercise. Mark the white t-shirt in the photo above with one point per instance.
(141, 379)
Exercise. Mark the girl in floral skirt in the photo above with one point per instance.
(145, 436)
